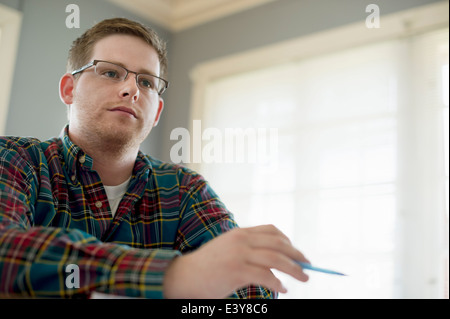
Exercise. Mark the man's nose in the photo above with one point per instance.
(129, 88)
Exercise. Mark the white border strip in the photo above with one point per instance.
(10, 23)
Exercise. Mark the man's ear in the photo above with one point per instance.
(66, 84)
(158, 114)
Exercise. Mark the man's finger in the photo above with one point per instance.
(272, 259)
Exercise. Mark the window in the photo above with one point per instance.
(9, 35)
(360, 180)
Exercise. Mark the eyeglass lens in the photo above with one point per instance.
(117, 73)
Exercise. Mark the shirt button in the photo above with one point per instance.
(82, 159)
(98, 204)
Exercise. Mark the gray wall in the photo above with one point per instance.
(45, 40)
(35, 108)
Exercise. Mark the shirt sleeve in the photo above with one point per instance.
(204, 217)
(38, 261)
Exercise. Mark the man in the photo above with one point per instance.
(130, 224)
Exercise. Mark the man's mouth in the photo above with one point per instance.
(124, 109)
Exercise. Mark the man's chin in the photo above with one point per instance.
(119, 138)
(125, 137)
(111, 136)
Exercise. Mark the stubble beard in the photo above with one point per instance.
(115, 137)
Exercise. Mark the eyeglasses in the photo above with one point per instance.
(111, 71)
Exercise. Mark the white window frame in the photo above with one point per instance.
(395, 26)
(402, 24)
(10, 23)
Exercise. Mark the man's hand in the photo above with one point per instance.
(238, 258)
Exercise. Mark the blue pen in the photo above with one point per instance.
(311, 267)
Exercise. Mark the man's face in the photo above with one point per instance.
(115, 113)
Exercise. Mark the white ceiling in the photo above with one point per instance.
(177, 15)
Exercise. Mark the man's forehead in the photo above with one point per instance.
(128, 51)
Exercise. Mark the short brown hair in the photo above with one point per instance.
(81, 50)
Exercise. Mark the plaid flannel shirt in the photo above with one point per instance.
(54, 212)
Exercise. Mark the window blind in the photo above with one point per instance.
(345, 184)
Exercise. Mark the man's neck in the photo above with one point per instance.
(113, 170)
(113, 164)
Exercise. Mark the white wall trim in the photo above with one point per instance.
(202, 11)
(10, 23)
(177, 15)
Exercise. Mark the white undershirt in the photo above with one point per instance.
(115, 194)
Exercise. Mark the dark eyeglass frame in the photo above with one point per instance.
(93, 63)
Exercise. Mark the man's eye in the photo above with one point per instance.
(149, 84)
(111, 74)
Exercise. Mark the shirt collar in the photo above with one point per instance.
(75, 157)
(73, 154)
